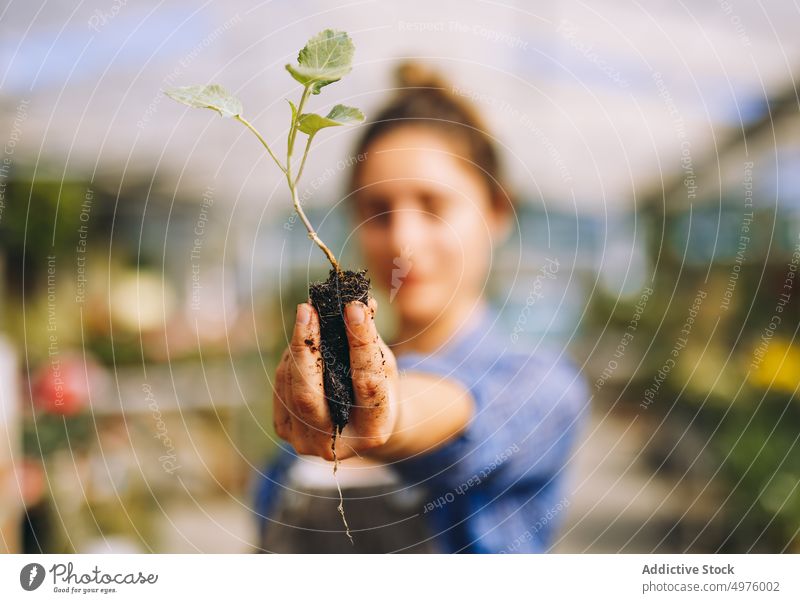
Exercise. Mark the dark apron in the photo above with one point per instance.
(382, 519)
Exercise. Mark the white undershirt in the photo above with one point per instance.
(313, 472)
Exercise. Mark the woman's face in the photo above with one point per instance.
(424, 222)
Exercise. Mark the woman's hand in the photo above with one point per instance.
(300, 411)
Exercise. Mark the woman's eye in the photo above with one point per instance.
(432, 205)
(374, 210)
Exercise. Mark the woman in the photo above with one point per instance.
(459, 438)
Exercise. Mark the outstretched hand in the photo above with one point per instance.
(300, 410)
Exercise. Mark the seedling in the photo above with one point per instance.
(325, 59)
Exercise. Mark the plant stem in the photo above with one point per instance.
(311, 233)
(293, 181)
(303, 161)
(261, 138)
(293, 129)
(287, 170)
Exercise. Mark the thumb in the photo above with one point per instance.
(368, 369)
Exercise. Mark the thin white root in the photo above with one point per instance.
(340, 508)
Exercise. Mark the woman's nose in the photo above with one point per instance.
(406, 230)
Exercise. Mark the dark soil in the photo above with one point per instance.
(329, 299)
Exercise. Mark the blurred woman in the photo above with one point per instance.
(459, 438)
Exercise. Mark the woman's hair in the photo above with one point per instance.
(424, 99)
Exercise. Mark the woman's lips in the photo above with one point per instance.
(413, 277)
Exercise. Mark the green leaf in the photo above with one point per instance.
(212, 96)
(325, 59)
(340, 115)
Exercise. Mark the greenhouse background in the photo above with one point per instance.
(659, 173)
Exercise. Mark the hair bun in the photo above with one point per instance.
(423, 97)
(413, 74)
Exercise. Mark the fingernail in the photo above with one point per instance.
(355, 313)
(303, 315)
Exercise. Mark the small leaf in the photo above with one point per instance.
(294, 110)
(325, 59)
(345, 115)
(212, 96)
(340, 115)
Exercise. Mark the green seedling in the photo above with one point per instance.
(325, 59)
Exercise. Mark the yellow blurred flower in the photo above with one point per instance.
(779, 366)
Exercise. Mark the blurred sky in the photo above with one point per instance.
(588, 99)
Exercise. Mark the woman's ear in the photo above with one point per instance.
(502, 219)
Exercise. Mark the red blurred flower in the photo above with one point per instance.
(63, 384)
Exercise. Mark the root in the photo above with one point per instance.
(340, 508)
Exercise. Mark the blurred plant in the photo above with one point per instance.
(60, 395)
(779, 368)
(759, 452)
(41, 218)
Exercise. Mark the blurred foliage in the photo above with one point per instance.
(744, 414)
(45, 433)
(41, 218)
